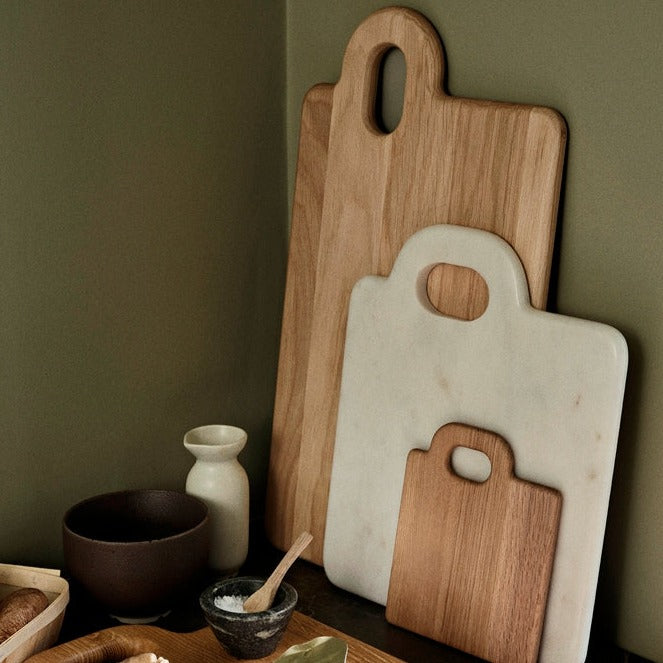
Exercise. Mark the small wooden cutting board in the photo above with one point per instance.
(472, 561)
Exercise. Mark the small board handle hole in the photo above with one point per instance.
(471, 464)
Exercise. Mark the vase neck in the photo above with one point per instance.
(215, 452)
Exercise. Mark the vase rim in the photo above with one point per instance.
(215, 435)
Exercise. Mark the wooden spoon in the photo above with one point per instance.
(262, 598)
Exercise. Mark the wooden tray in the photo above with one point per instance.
(359, 194)
(44, 629)
(201, 646)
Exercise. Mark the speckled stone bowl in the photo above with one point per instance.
(248, 634)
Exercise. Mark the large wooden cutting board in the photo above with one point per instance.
(359, 194)
(118, 642)
(283, 510)
(551, 385)
(472, 559)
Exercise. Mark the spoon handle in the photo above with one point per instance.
(262, 599)
(289, 558)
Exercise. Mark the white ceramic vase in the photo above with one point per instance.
(218, 478)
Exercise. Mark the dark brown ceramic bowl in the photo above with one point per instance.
(137, 551)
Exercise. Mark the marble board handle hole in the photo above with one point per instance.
(444, 283)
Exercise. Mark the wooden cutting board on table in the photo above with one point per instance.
(551, 385)
(472, 559)
(118, 642)
(359, 194)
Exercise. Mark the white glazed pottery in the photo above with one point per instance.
(218, 478)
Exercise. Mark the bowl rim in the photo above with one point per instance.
(134, 491)
(207, 602)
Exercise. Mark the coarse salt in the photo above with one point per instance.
(230, 603)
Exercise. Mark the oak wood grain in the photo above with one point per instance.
(472, 561)
(201, 646)
(283, 478)
(359, 194)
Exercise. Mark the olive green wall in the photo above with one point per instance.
(143, 223)
(600, 63)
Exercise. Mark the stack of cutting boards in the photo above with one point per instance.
(415, 350)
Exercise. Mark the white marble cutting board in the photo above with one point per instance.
(551, 385)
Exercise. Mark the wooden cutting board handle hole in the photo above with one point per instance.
(380, 34)
(390, 91)
(456, 291)
(470, 464)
